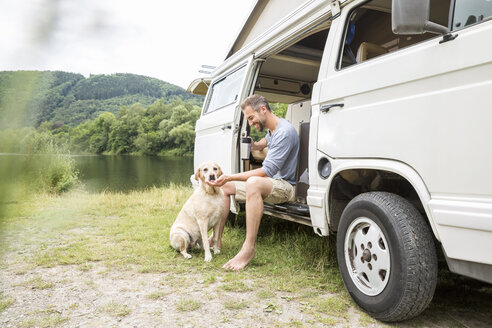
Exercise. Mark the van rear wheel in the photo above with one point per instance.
(386, 256)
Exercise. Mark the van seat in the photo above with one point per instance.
(302, 177)
(369, 50)
(299, 112)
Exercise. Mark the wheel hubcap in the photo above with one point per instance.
(367, 256)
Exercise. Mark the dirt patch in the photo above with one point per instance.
(71, 297)
(96, 296)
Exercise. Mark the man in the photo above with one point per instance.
(273, 182)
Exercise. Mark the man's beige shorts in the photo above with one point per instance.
(282, 191)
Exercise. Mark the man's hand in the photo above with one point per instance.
(220, 181)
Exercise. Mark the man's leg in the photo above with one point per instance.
(229, 189)
(257, 189)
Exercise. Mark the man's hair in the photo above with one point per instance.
(255, 101)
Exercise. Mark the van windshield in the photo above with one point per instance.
(225, 91)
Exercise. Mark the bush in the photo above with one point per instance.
(56, 173)
(49, 167)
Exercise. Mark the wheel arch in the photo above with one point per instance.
(350, 178)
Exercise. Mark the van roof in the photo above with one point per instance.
(263, 15)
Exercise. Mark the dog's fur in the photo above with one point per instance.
(202, 211)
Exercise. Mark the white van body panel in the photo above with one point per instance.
(214, 134)
(391, 100)
(465, 227)
(413, 107)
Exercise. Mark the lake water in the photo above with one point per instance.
(125, 173)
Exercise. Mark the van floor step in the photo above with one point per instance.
(294, 212)
(289, 211)
(293, 208)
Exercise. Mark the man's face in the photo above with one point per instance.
(255, 118)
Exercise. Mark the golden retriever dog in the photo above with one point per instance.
(201, 212)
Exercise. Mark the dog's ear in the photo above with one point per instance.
(198, 174)
(219, 173)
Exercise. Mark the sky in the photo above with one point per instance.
(168, 40)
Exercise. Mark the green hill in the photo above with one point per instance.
(29, 98)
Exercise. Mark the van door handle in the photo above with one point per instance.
(225, 127)
(326, 108)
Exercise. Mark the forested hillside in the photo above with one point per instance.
(29, 98)
(118, 114)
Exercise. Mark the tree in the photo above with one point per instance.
(183, 137)
(100, 131)
(79, 137)
(125, 131)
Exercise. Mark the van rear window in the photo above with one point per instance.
(225, 91)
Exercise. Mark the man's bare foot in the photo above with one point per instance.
(241, 259)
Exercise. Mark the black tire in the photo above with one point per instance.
(411, 260)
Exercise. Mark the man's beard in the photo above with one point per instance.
(260, 127)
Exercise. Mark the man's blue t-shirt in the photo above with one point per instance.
(283, 147)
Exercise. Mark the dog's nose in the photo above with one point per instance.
(211, 177)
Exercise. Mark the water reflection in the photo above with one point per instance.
(123, 173)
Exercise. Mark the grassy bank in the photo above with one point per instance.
(95, 235)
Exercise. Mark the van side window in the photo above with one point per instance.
(468, 12)
(225, 91)
(368, 32)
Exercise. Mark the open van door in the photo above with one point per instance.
(218, 127)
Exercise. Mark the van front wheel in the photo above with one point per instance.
(386, 256)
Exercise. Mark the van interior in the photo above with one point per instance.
(288, 76)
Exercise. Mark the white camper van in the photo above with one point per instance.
(392, 101)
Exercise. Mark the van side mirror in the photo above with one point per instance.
(412, 17)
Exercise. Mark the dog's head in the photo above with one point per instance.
(208, 171)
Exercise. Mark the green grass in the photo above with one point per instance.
(235, 304)
(156, 295)
(44, 322)
(334, 306)
(235, 286)
(36, 283)
(115, 309)
(187, 305)
(74, 306)
(48, 317)
(117, 231)
(5, 302)
(209, 279)
(265, 294)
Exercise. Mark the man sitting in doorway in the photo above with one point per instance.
(273, 182)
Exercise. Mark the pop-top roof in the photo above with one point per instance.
(264, 14)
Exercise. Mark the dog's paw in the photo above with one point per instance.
(216, 251)
(188, 256)
(208, 257)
